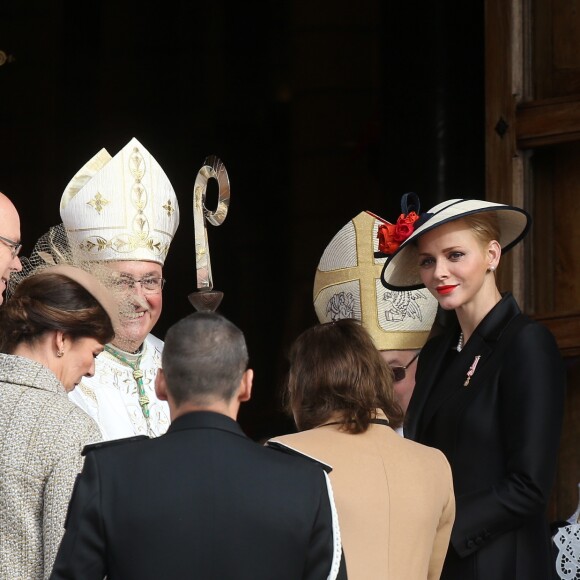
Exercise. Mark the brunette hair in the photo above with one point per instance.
(49, 302)
(336, 371)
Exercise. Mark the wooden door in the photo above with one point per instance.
(533, 160)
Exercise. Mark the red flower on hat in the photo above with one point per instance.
(391, 236)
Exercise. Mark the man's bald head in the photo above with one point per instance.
(9, 238)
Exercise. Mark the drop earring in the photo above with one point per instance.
(60, 353)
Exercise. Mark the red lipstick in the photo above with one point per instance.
(445, 289)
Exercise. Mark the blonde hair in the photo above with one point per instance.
(484, 225)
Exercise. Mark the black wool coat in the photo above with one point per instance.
(500, 430)
(202, 501)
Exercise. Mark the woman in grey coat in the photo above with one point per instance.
(51, 330)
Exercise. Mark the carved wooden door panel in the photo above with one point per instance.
(533, 160)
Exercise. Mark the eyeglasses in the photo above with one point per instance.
(399, 373)
(149, 284)
(15, 247)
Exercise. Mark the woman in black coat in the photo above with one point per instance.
(489, 389)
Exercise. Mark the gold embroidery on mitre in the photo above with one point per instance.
(137, 164)
(139, 196)
(124, 244)
(132, 227)
(94, 245)
(98, 202)
(141, 224)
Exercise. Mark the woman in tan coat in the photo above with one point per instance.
(394, 497)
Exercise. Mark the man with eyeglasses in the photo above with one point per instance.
(10, 245)
(347, 284)
(122, 212)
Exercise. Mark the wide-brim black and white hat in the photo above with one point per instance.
(401, 270)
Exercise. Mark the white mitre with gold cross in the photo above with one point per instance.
(120, 208)
(348, 284)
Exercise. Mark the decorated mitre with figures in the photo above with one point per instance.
(121, 208)
(348, 284)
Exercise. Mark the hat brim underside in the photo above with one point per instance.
(400, 271)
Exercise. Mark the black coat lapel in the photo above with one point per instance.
(430, 365)
(473, 360)
(449, 371)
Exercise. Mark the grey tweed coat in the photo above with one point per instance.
(42, 434)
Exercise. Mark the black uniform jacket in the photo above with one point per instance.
(495, 409)
(202, 501)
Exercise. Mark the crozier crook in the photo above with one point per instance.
(205, 297)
